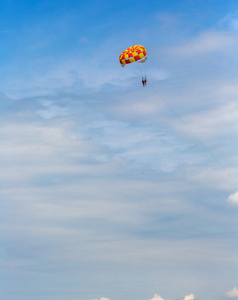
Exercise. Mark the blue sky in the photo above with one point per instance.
(112, 191)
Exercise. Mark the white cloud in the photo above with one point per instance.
(157, 297)
(233, 198)
(214, 122)
(36, 149)
(230, 21)
(206, 42)
(232, 293)
(234, 24)
(189, 297)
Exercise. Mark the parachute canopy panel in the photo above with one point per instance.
(134, 53)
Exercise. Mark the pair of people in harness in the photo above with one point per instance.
(144, 81)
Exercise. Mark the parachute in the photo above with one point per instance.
(136, 53)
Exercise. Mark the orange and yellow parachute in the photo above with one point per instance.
(134, 53)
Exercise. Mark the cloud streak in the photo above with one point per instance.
(206, 42)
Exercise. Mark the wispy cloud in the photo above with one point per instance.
(233, 198)
(232, 293)
(206, 42)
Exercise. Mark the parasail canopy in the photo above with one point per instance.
(136, 53)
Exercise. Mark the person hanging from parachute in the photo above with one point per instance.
(144, 81)
(136, 53)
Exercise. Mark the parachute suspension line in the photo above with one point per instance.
(145, 69)
(136, 69)
(189, 130)
(139, 69)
